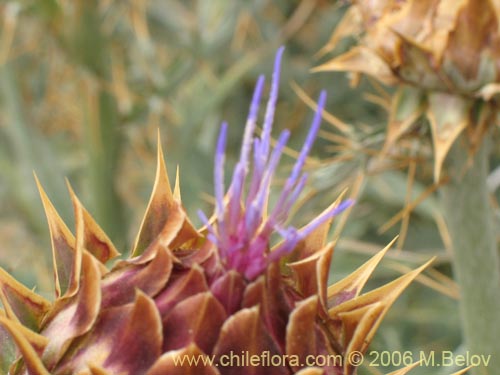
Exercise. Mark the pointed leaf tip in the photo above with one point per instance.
(351, 286)
(315, 240)
(407, 105)
(93, 237)
(360, 60)
(31, 358)
(311, 274)
(405, 370)
(177, 186)
(64, 254)
(165, 223)
(463, 371)
(21, 304)
(365, 313)
(448, 116)
(159, 207)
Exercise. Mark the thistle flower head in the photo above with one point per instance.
(189, 295)
(442, 56)
(243, 225)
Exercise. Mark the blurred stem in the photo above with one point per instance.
(102, 141)
(476, 265)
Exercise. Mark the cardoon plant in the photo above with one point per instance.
(443, 58)
(185, 294)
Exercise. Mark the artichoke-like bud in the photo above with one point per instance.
(443, 55)
(205, 301)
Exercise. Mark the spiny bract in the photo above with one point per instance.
(442, 55)
(185, 292)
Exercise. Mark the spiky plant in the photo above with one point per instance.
(429, 51)
(186, 293)
(443, 57)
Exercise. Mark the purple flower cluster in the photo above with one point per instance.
(243, 226)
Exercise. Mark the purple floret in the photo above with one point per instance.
(242, 227)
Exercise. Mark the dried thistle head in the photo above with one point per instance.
(189, 293)
(442, 55)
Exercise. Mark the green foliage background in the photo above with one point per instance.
(86, 84)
